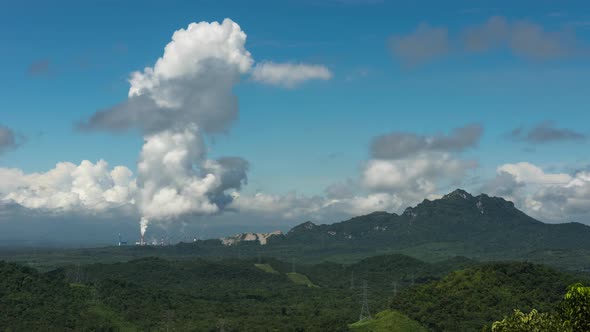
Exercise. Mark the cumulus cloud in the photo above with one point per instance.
(68, 187)
(417, 173)
(296, 207)
(422, 45)
(529, 173)
(398, 145)
(545, 132)
(9, 140)
(557, 197)
(405, 168)
(289, 74)
(413, 167)
(191, 83)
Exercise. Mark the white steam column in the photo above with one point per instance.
(143, 227)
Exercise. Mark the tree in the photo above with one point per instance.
(576, 307)
(531, 322)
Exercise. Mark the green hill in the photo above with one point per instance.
(33, 301)
(388, 321)
(468, 299)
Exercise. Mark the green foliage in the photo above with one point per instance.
(266, 268)
(31, 301)
(468, 299)
(199, 295)
(576, 307)
(301, 279)
(387, 321)
(531, 322)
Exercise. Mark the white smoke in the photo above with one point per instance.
(143, 224)
(176, 179)
(188, 91)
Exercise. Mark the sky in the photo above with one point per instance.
(212, 117)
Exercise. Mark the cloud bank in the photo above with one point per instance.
(88, 187)
(556, 197)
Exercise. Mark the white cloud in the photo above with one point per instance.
(289, 74)
(68, 187)
(191, 83)
(557, 197)
(415, 177)
(299, 207)
(529, 173)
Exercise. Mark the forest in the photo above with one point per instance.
(266, 294)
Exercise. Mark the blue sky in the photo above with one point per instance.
(62, 61)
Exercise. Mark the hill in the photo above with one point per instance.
(466, 300)
(33, 301)
(388, 321)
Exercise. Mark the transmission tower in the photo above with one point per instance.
(352, 279)
(365, 314)
(394, 284)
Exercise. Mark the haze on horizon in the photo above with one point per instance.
(210, 118)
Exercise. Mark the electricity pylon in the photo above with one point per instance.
(365, 313)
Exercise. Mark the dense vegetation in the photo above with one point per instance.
(31, 301)
(466, 300)
(388, 321)
(572, 315)
(271, 295)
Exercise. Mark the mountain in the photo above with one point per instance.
(458, 224)
(481, 228)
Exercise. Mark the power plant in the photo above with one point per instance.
(121, 242)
